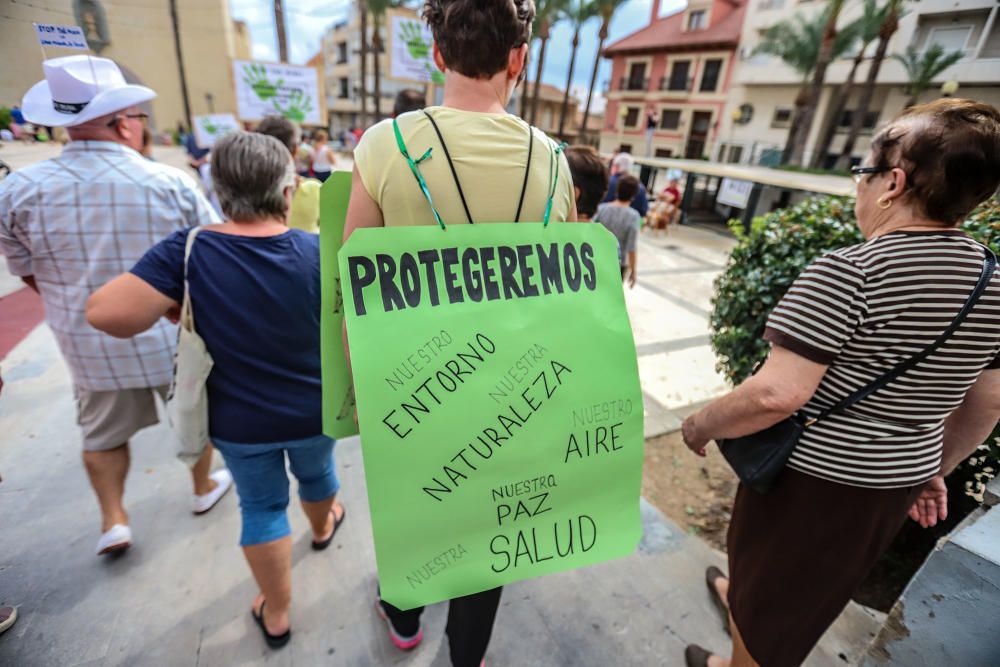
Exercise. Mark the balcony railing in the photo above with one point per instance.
(677, 84)
(630, 83)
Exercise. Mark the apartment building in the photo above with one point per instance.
(670, 80)
(755, 125)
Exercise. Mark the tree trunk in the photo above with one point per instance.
(890, 25)
(538, 79)
(363, 87)
(793, 130)
(377, 65)
(839, 104)
(815, 90)
(279, 27)
(593, 76)
(180, 65)
(569, 83)
(525, 93)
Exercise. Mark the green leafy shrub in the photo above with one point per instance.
(771, 255)
(5, 118)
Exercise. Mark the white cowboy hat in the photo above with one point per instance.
(70, 95)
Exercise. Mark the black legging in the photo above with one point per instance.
(470, 624)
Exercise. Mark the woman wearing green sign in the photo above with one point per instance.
(467, 161)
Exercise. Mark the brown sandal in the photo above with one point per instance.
(713, 574)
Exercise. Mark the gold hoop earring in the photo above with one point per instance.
(883, 203)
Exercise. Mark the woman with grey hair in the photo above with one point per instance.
(250, 279)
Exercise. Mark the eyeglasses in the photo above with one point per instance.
(858, 172)
(143, 118)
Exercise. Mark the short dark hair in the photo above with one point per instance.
(281, 129)
(590, 175)
(628, 187)
(475, 37)
(950, 151)
(408, 99)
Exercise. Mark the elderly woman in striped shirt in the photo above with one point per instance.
(797, 552)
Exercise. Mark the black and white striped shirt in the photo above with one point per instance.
(863, 310)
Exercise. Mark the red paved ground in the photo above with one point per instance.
(20, 312)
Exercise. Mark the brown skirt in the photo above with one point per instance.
(798, 553)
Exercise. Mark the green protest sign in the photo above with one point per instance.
(338, 393)
(499, 399)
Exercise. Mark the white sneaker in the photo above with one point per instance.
(117, 538)
(224, 482)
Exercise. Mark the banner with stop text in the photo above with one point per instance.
(499, 403)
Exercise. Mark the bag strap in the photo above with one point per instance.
(989, 266)
(186, 319)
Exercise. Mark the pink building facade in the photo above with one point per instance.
(669, 81)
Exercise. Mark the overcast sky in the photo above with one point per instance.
(307, 20)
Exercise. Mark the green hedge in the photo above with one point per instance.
(768, 258)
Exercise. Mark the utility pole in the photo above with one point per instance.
(363, 8)
(180, 64)
(279, 27)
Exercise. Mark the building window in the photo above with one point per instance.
(871, 120)
(341, 53)
(735, 154)
(670, 119)
(698, 19)
(345, 88)
(952, 38)
(679, 75)
(710, 77)
(664, 152)
(632, 117)
(636, 79)
(782, 117)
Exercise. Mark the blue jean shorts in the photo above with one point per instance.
(262, 483)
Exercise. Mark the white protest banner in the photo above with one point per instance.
(208, 129)
(734, 192)
(266, 89)
(410, 42)
(64, 36)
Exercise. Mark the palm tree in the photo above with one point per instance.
(888, 28)
(377, 9)
(605, 9)
(579, 12)
(549, 12)
(922, 68)
(866, 29)
(363, 87)
(796, 42)
(824, 57)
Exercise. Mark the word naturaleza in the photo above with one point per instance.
(491, 273)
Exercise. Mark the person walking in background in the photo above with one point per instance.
(407, 100)
(622, 164)
(797, 553)
(501, 174)
(622, 220)
(64, 247)
(323, 159)
(303, 155)
(590, 180)
(304, 213)
(250, 274)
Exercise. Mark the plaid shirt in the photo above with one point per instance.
(79, 220)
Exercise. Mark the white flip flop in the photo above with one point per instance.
(223, 482)
(117, 538)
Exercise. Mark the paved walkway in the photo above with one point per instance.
(181, 595)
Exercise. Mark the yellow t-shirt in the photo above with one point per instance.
(305, 206)
(489, 151)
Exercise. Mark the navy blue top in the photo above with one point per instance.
(640, 202)
(256, 304)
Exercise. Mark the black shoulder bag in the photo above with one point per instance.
(758, 458)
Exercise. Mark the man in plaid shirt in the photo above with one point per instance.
(70, 224)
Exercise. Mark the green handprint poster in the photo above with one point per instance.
(267, 89)
(210, 128)
(410, 46)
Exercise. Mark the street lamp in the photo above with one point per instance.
(949, 88)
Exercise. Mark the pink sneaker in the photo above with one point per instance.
(401, 642)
